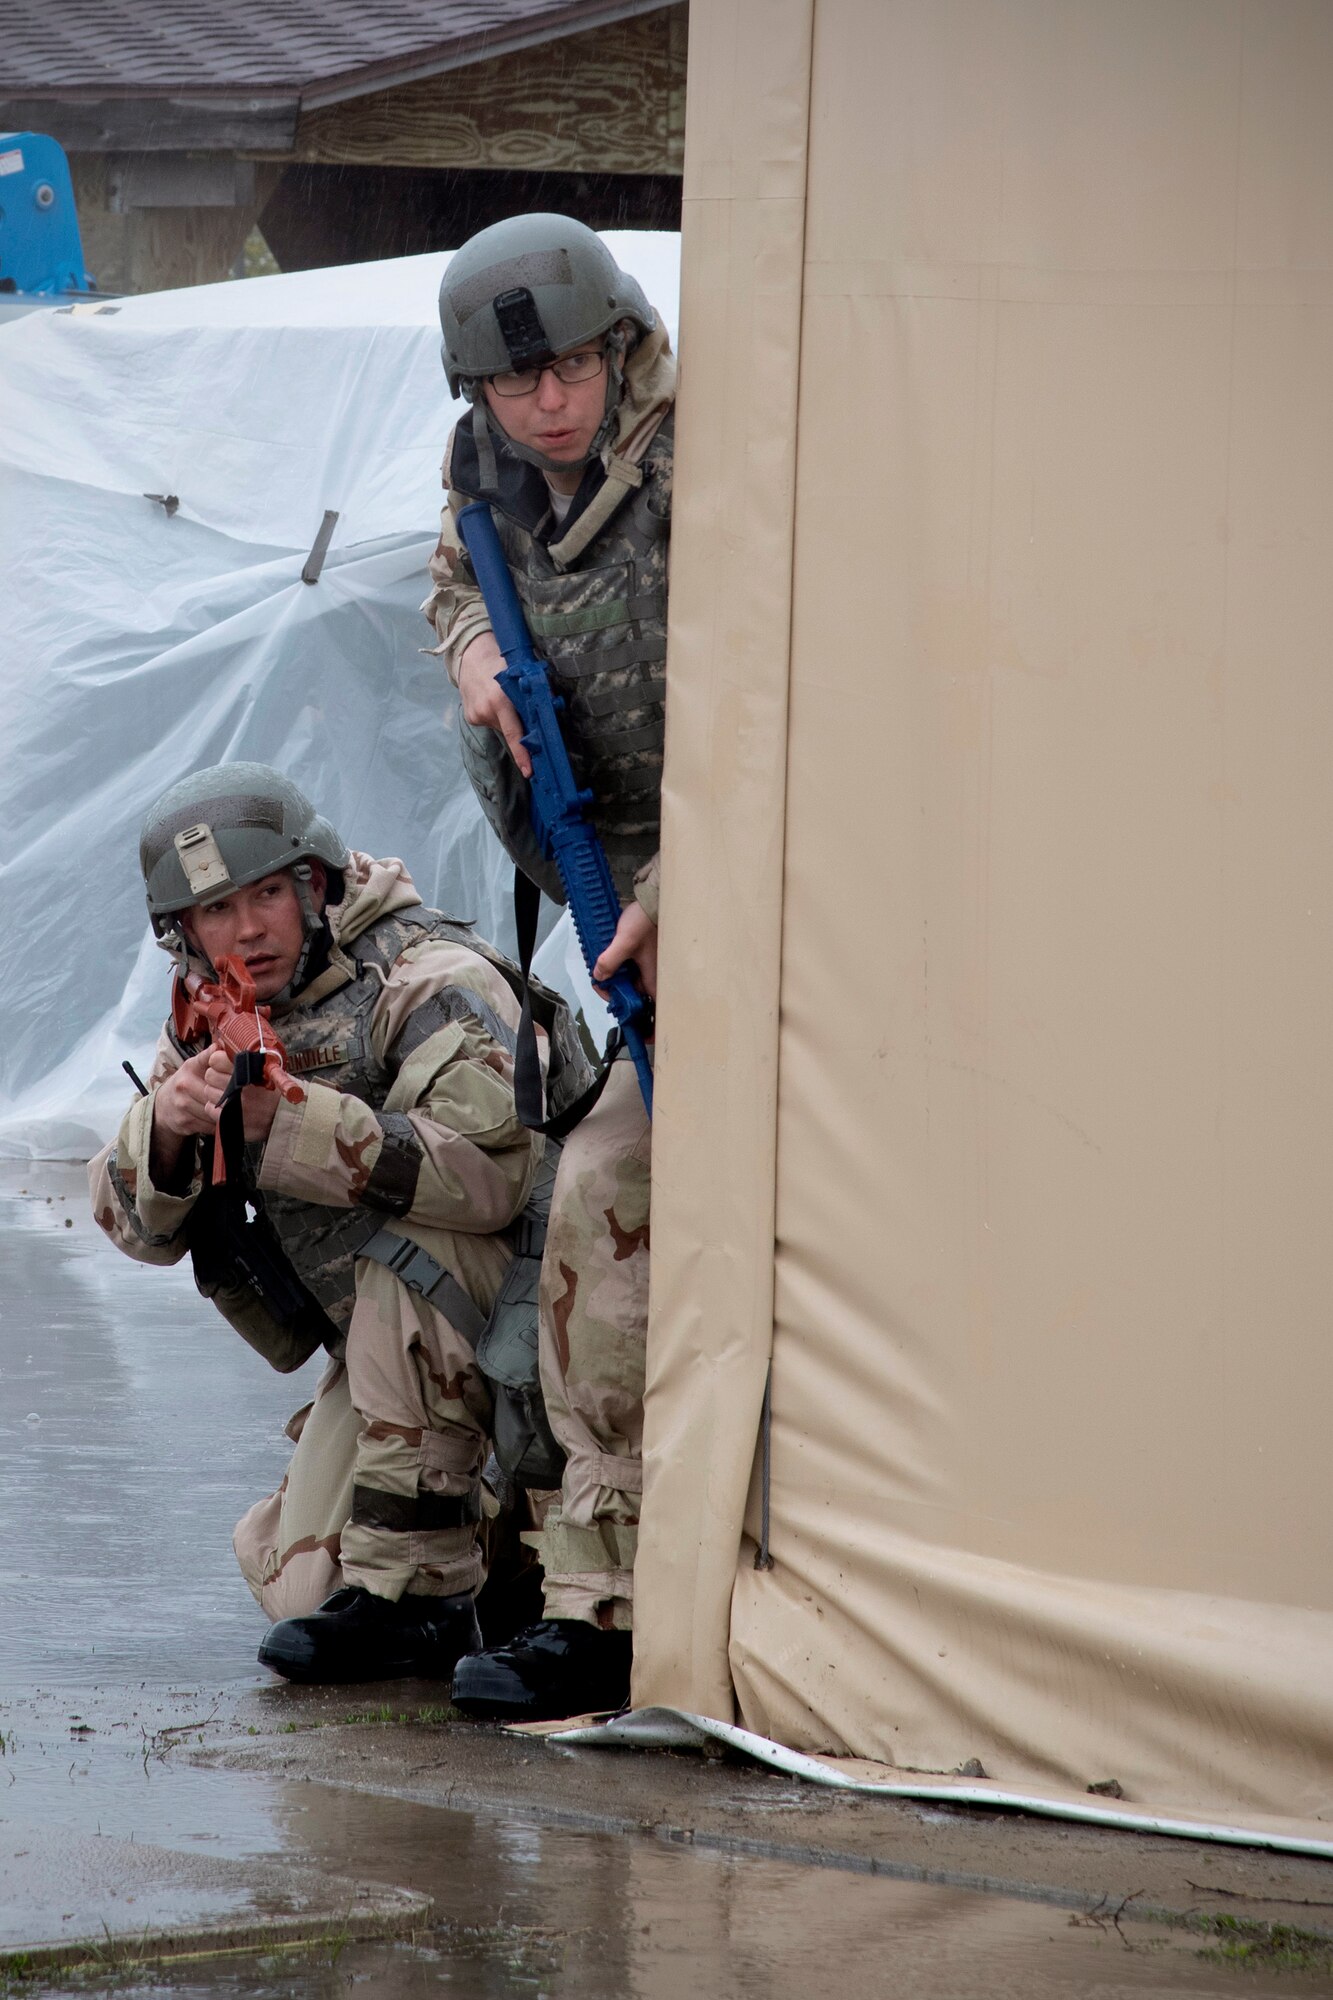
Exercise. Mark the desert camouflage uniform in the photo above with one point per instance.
(403, 1048)
(289, 1545)
(594, 590)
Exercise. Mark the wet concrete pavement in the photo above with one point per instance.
(158, 1789)
(134, 1432)
(130, 1439)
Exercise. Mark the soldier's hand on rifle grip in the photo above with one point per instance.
(636, 938)
(484, 704)
(182, 1110)
(185, 1105)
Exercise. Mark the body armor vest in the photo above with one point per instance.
(601, 624)
(330, 1041)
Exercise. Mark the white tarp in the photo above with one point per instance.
(145, 639)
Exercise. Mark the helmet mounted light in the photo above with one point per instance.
(521, 329)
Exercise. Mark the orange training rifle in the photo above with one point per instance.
(226, 1010)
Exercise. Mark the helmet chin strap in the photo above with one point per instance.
(486, 425)
(175, 944)
(312, 924)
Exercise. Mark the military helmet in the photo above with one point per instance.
(524, 290)
(224, 827)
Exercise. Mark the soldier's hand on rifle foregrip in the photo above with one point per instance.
(635, 938)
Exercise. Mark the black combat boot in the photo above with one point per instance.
(357, 1636)
(558, 1667)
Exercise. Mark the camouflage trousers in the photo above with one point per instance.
(383, 1489)
(593, 1327)
(289, 1545)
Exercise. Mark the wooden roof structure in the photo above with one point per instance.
(348, 128)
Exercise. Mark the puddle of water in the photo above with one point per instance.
(124, 1788)
(522, 1908)
(529, 1910)
(563, 1912)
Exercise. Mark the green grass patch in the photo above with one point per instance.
(384, 1717)
(1256, 1946)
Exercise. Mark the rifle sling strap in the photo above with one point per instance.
(248, 1067)
(424, 1274)
(529, 1091)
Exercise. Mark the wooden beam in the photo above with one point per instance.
(156, 124)
(610, 101)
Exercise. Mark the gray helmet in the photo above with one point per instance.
(524, 290)
(224, 827)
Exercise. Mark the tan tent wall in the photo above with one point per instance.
(999, 842)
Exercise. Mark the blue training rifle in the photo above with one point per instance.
(559, 809)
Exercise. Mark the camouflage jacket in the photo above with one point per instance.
(593, 588)
(402, 1047)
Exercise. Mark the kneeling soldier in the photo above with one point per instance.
(380, 1196)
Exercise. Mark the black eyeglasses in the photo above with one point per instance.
(569, 369)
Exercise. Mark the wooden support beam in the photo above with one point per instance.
(157, 249)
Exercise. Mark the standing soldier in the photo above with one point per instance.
(369, 1204)
(571, 381)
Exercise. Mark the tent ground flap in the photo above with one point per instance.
(677, 1729)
